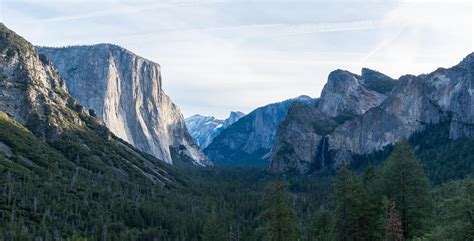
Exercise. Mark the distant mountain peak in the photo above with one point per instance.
(340, 75)
(234, 116)
(204, 129)
(370, 73)
(302, 98)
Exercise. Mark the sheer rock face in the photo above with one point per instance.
(415, 102)
(125, 90)
(346, 95)
(249, 140)
(233, 117)
(303, 129)
(300, 143)
(204, 129)
(372, 111)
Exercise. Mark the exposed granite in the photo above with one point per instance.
(125, 90)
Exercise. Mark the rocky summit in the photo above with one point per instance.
(363, 114)
(204, 129)
(125, 90)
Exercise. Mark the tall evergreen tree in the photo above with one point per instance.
(351, 206)
(322, 229)
(374, 211)
(213, 229)
(280, 222)
(404, 182)
(393, 227)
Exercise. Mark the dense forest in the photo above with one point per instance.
(411, 195)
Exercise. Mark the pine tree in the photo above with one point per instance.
(351, 206)
(280, 222)
(404, 182)
(213, 228)
(322, 229)
(374, 211)
(393, 227)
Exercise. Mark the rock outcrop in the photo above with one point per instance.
(301, 140)
(248, 141)
(31, 90)
(445, 94)
(204, 129)
(364, 114)
(234, 116)
(125, 90)
(347, 95)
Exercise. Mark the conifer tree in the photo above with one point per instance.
(322, 229)
(351, 206)
(404, 182)
(213, 228)
(280, 222)
(374, 211)
(393, 227)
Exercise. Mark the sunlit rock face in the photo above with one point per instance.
(360, 114)
(31, 90)
(125, 90)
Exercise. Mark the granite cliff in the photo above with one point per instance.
(125, 90)
(363, 114)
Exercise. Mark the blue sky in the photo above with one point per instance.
(223, 55)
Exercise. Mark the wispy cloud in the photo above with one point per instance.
(218, 56)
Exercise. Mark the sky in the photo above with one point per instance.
(223, 55)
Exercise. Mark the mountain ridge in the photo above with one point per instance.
(374, 123)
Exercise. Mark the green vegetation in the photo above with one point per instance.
(81, 187)
(378, 82)
(279, 222)
(11, 43)
(404, 183)
(442, 158)
(381, 85)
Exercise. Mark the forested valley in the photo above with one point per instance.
(64, 175)
(400, 198)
